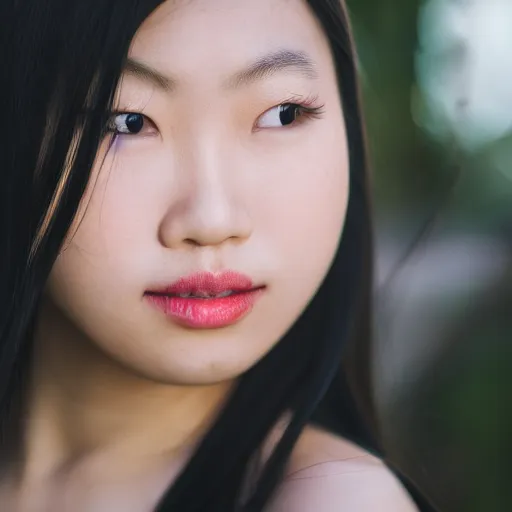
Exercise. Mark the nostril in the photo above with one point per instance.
(192, 242)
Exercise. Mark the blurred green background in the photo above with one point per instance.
(437, 89)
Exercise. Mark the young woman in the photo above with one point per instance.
(185, 260)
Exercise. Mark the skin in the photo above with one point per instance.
(120, 393)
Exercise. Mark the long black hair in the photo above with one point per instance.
(61, 64)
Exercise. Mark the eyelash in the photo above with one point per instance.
(306, 108)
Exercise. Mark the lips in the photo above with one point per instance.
(200, 295)
(205, 300)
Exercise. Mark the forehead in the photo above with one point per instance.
(182, 37)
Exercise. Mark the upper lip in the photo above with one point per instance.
(207, 283)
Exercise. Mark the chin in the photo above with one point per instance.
(200, 372)
(194, 377)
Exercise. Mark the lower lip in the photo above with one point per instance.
(199, 313)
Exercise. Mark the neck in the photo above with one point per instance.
(82, 407)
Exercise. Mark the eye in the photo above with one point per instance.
(130, 123)
(286, 114)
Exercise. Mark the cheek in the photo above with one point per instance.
(97, 268)
(304, 216)
(116, 217)
(312, 207)
(306, 203)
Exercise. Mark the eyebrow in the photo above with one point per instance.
(272, 63)
(262, 68)
(148, 74)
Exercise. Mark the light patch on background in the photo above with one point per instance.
(464, 72)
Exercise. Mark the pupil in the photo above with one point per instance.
(134, 123)
(287, 114)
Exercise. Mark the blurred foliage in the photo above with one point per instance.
(412, 171)
(408, 168)
(454, 433)
(450, 429)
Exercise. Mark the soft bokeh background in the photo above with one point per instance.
(437, 86)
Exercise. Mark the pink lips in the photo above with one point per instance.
(207, 301)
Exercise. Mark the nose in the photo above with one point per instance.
(208, 212)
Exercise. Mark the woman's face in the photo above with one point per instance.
(234, 162)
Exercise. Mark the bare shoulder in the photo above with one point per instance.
(328, 474)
